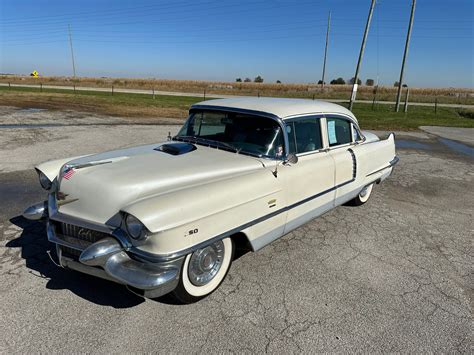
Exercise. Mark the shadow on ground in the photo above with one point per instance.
(34, 246)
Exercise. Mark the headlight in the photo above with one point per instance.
(44, 181)
(135, 228)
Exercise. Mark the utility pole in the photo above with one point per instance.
(405, 54)
(361, 55)
(326, 50)
(72, 52)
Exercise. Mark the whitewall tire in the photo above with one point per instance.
(204, 270)
(363, 196)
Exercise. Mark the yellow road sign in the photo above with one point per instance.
(34, 74)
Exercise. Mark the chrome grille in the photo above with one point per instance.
(70, 252)
(77, 237)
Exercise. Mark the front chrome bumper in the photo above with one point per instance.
(109, 257)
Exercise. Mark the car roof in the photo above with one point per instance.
(280, 107)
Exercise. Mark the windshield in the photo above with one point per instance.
(246, 134)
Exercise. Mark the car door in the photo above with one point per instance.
(341, 138)
(309, 183)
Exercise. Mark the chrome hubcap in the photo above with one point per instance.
(205, 263)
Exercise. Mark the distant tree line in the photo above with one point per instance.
(258, 79)
(338, 81)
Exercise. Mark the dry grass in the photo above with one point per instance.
(122, 105)
(443, 95)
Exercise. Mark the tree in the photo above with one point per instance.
(247, 80)
(404, 86)
(396, 84)
(320, 82)
(370, 82)
(238, 80)
(278, 82)
(338, 81)
(258, 79)
(359, 82)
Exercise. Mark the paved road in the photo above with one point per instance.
(211, 96)
(395, 275)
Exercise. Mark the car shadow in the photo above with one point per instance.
(34, 247)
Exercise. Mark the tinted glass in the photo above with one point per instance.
(254, 135)
(304, 135)
(339, 131)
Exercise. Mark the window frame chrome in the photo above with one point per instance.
(319, 117)
(354, 125)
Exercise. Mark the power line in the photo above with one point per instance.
(193, 9)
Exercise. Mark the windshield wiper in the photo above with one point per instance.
(225, 144)
(208, 142)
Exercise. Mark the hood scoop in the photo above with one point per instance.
(176, 148)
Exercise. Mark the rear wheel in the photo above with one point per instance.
(204, 270)
(362, 197)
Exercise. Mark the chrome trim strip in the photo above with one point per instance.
(354, 163)
(391, 164)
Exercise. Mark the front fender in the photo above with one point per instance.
(172, 209)
(180, 219)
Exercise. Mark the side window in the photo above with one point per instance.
(339, 131)
(304, 135)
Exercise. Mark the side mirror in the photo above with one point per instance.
(291, 158)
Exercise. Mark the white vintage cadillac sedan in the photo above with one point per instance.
(166, 217)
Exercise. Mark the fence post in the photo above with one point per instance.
(313, 96)
(153, 93)
(204, 94)
(258, 93)
(74, 86)
(406, 100)
(375, 97)
(9, 87)
(436, 105)
(112, 90)
(41, 87)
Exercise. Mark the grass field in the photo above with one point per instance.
(176, 107)
(384, 93)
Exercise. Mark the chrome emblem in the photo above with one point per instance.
(84, 233)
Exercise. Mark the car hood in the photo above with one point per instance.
(100, 185)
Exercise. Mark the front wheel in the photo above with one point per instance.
(362, 197)
(204, 270)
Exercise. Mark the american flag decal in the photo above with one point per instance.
(69, 173)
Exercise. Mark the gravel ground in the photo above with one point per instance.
(395, 275)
